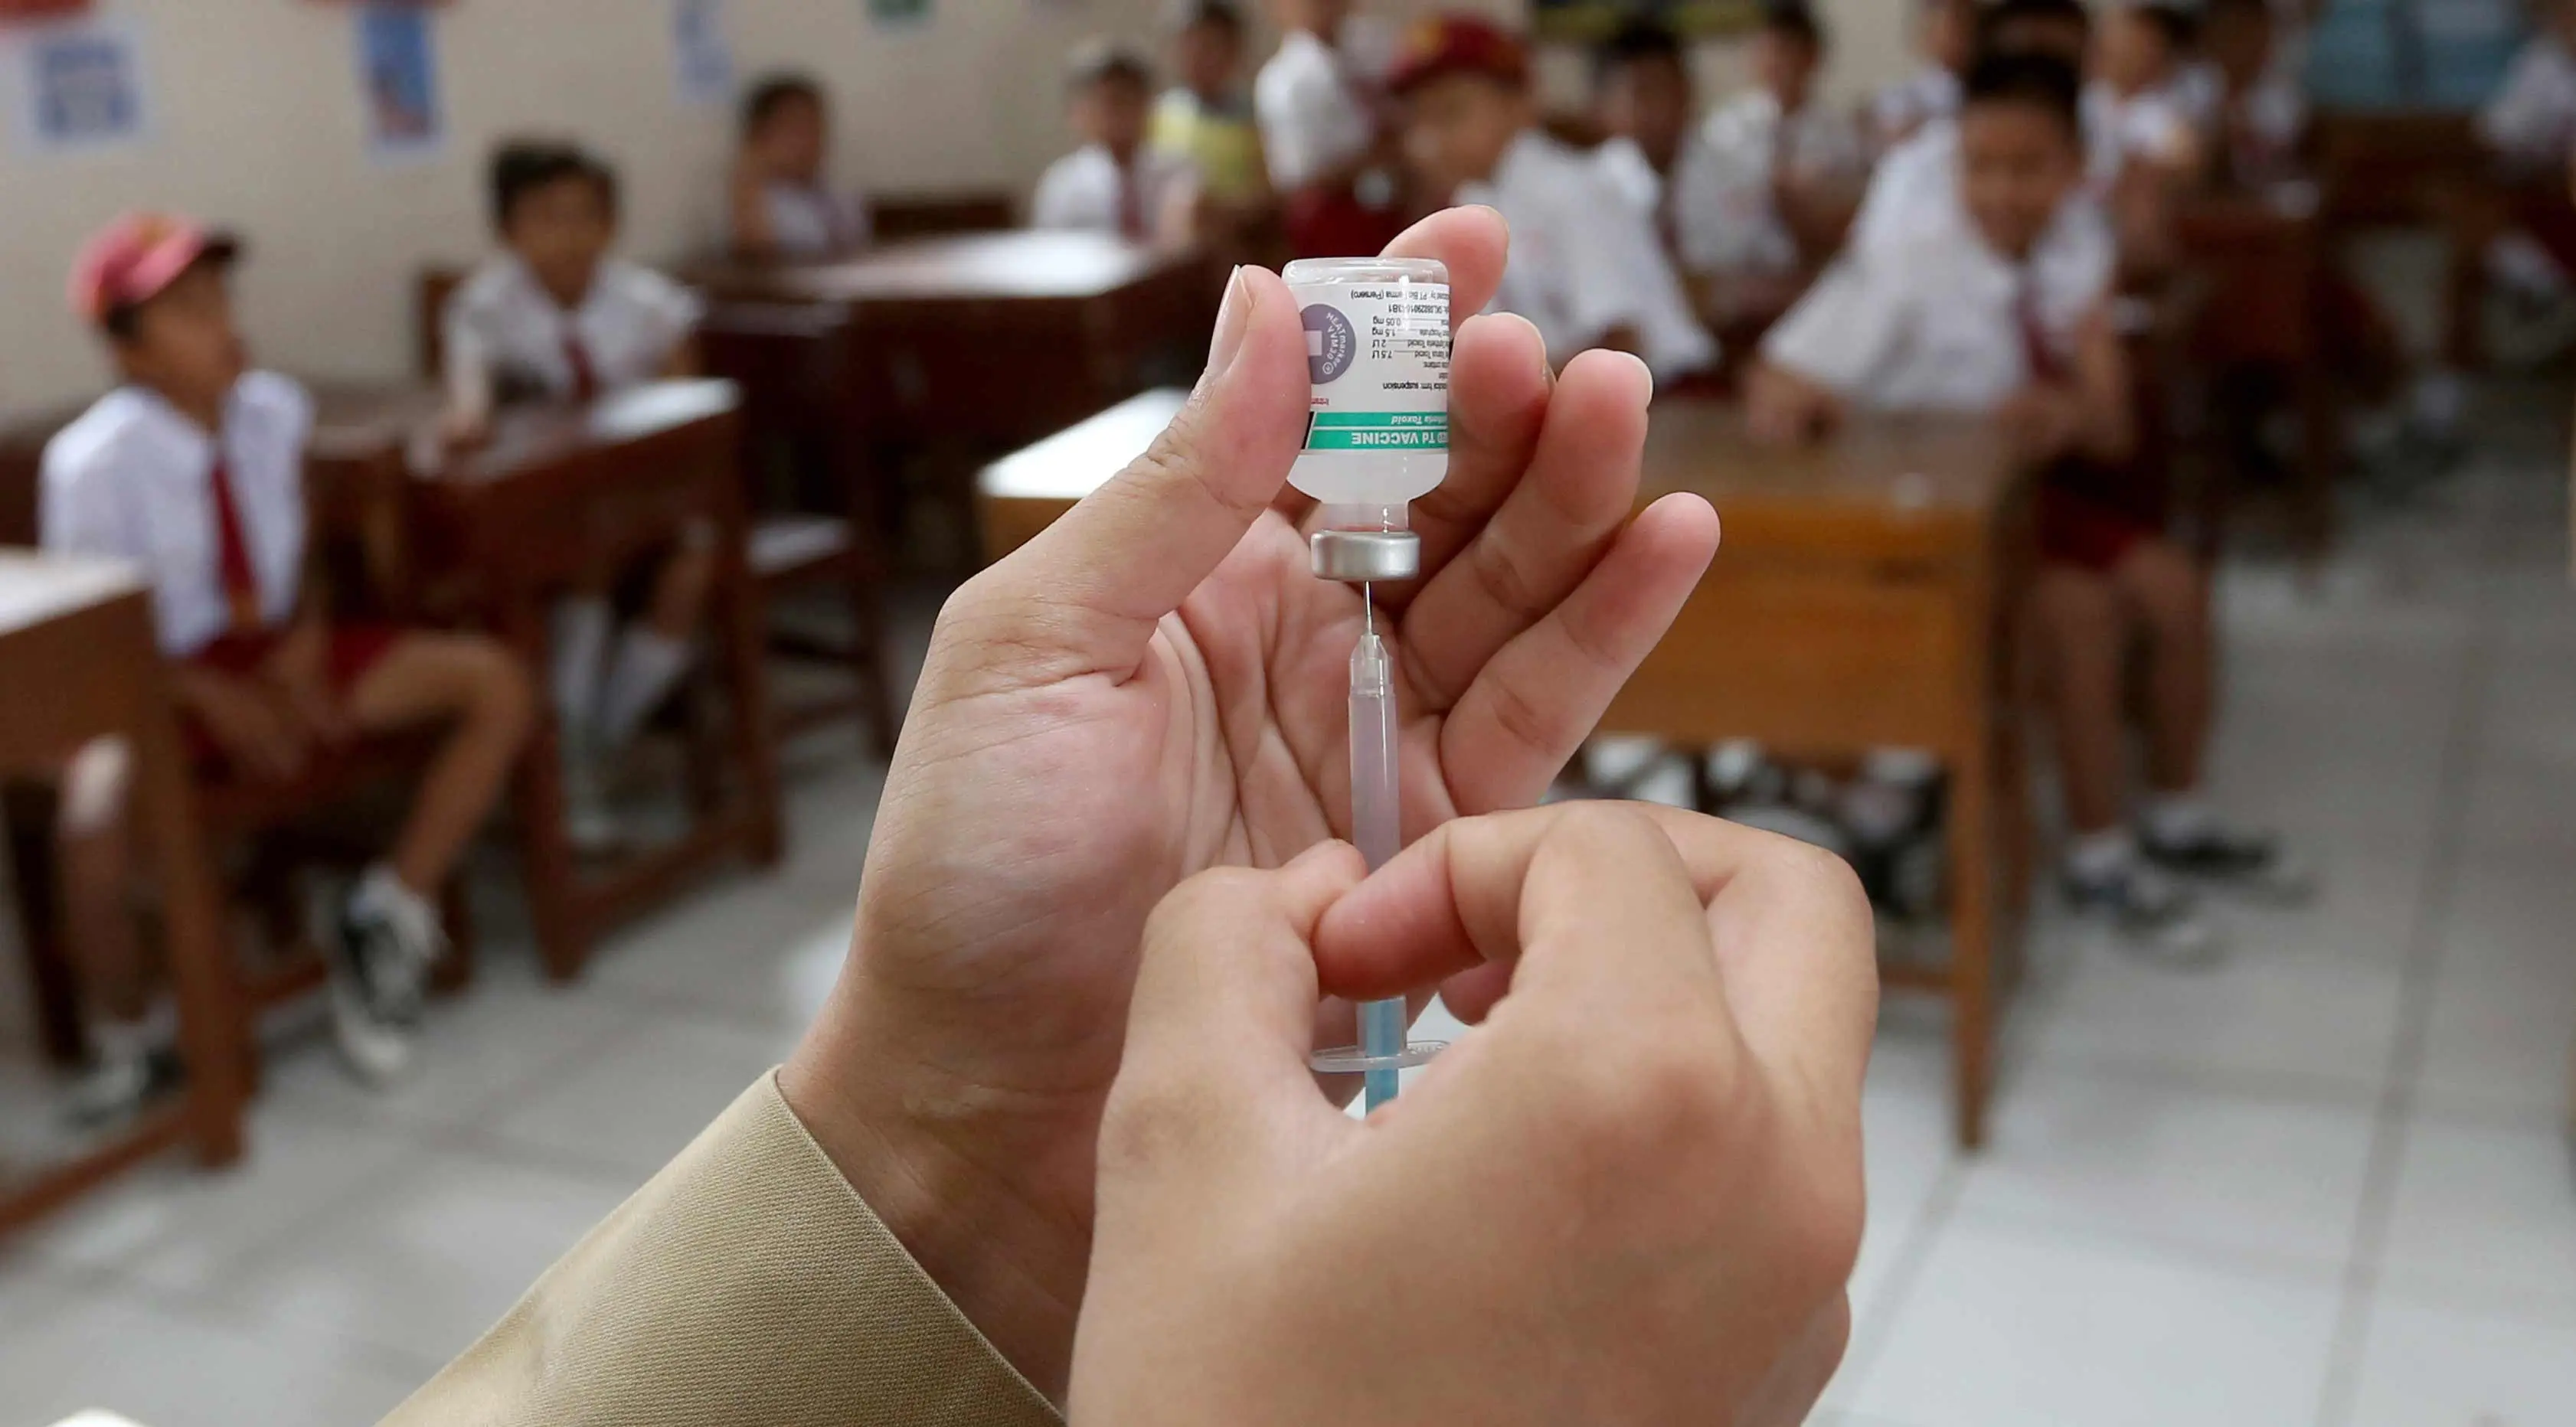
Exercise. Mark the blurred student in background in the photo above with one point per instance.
(192, 471)
(1970, 316)
(1205, 120)
(1115, 183)
(2521, 229)
(1944, 34)
(1585, 268)
(784, 208)
(2138, 119)
(1786, 170)
(2254, 117)
(1327, 131)
(1648, 110)
(554, 316)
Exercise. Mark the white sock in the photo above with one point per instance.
(647, 667)
(2525, 265)
(381, 894)
(2175, 818)
(582, 625)
(2440, 400)
(130, 1042)
(2101, 856)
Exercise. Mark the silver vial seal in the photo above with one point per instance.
(1366, 556)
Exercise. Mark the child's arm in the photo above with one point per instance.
(466, 419)
(1787, 408)
(755, 238)
(2107, 430)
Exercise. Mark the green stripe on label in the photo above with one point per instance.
(1378, 431)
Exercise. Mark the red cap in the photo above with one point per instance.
(1458, 44)
(134, 258)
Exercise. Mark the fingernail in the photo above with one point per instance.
(1233, 319)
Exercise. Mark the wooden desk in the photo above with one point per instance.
(993, 339)
(2266, 257)
(1862, 600)
(81, 631)
(557, 491)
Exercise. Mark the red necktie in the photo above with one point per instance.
(232, 555)
(585, 377)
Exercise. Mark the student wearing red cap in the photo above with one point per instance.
(1586, 266)
(193, 471)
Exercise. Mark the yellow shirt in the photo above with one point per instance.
(1222, 142)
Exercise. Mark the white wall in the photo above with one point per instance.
(257, 124)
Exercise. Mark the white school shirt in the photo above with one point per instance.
(1934, 323)
(1082, 190)
(132, 480)
(1662, 203)
(1313, 117)
(1723, 204)
(2274, 115)
(1929, 93)
(2155, 125)
(1916, 191)
(814, 222)
(1583, 261)
(2533, 118)
(504, 328)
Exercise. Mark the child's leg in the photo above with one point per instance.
(653, 655)
(475, 685)
(2167, 596)
(93, 851)
(2084, 641)
(583, 622)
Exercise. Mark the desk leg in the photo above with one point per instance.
(1972, 921)
(563, 939)
(755, 735)
(212, 1021)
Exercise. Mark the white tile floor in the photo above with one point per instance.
(2329, 1184)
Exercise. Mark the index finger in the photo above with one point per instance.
(1787, 931)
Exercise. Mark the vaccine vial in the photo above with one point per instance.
(1377, 430)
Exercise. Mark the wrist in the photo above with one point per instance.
(925, 1156)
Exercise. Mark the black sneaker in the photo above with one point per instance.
(2155, 919)
(2253, 862)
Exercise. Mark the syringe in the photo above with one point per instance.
(1377, 825)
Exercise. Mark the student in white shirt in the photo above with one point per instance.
(1644, 101)
(1944, 31)
(1585, 268)
(1778, 173)
(554, 317)
(1319, 125)
(192, 471)
(2256, 116)
(1115, 183)
(2138, 113)
(784, 208)
(1965, 318)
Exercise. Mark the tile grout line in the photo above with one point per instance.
(2373, 1224)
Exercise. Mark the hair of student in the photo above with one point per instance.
(1639, 41)
(522, 166)
(1099, 61)
(774, 92)
(2003, 14)
(2035, 81)
(1796, 20)
(1190, 14)
(2217, 8)
(2178, 23)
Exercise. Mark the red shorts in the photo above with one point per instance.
(354, 650)
(2077, 530)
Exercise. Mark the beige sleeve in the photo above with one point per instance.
(745, 1284)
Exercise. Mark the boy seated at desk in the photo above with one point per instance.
(1944, 31)
(1585, 267)
(192, 470)
(1978, 316)
(2253, 116)
(2525, 232)
(1786, 170)
(1647, 106)
(784, 208)
(1115, 183)
(1205, 119)
(554, 317)
(1327, 130)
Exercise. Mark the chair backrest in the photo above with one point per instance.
(438, 282)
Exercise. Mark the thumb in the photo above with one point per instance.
(1084, 596)
(1220, 1029)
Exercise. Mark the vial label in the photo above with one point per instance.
(1378, 359)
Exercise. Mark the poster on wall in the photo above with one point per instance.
(703, 51)
(892, 13)
(81, 86)
(1587, 21)
(398, 82)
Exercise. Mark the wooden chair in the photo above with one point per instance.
(816, 503)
